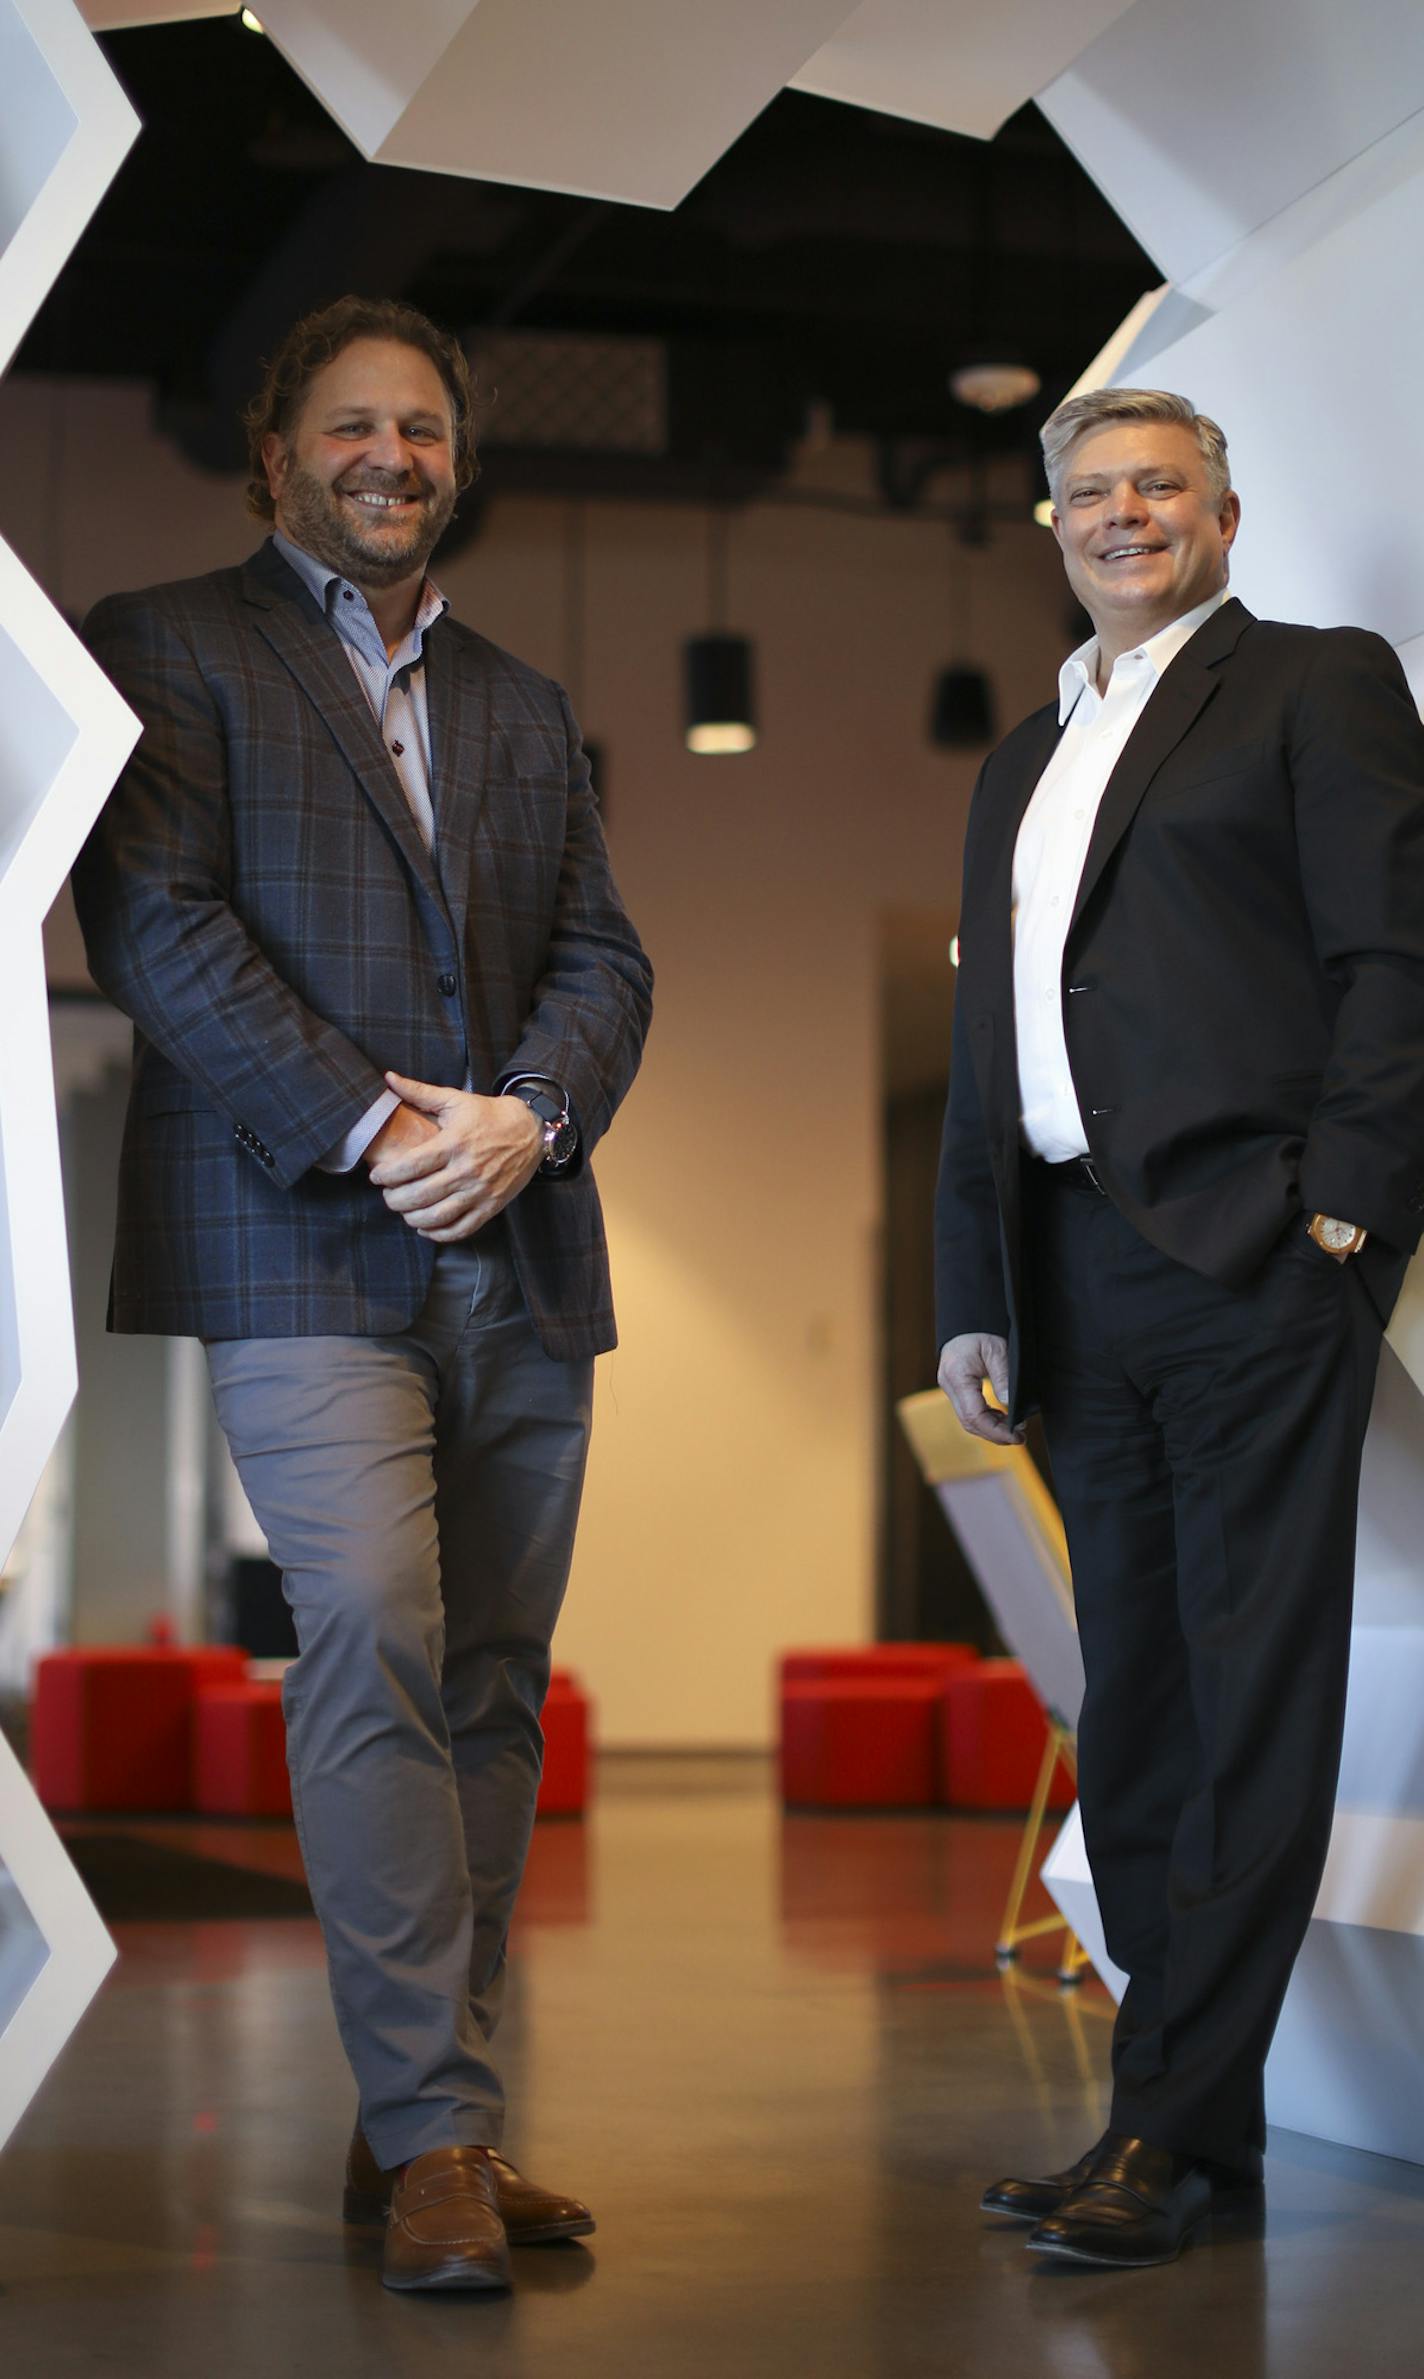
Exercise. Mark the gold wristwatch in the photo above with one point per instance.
(1336, 1238)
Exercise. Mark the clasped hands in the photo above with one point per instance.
(448, 1161)
(965, 1364)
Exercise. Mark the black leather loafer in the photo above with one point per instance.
(1139, 2206)
(1030, 2200)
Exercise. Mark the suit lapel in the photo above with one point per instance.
(310, 647)
(1187, 686)
(457, 692)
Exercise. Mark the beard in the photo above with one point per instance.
(315, 516)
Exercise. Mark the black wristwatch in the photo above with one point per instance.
(551, 1105)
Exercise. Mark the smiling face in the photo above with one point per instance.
(366, 481)
(1143, 539)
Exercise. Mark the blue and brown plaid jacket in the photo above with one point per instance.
(257, 898)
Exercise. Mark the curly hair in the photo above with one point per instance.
(316, 341)
(1077, 415)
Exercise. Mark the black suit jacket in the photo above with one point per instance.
(257, 898)
(1243, 975)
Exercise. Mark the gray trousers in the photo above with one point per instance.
(419, 1493)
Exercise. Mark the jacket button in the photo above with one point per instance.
(447, 984)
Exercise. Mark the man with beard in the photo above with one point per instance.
(353, 892)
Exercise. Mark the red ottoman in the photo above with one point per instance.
(240, 1751)
(566, 1720)
(993, 1733)
(875, 1660)
(112, 1727)
(860, 1742)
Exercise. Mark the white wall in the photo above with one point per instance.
(731, 1500)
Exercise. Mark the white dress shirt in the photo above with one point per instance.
(1049, 857)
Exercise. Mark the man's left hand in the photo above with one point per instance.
(483, 1153)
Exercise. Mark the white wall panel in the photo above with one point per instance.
(1315, 376)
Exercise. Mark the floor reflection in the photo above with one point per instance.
(777, 2055)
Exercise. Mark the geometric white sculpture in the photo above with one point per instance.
(1069, 1882)
(1283, 199)
(637, 99)
(1348, 2059)
(953, 63)
(54, 1950)
(621, 99)
(64, 734)
(1269, 99)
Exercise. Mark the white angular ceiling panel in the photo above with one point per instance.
(618, 99)
(1199, 124)
(953, 62)
(112, 16)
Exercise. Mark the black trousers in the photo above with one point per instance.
(1206, 1447)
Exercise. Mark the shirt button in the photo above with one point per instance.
(447, 985)
(1078, 813)
(348, 594)
(398, 748)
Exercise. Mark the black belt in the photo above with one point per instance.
(1075, 1173)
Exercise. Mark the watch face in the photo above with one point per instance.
(562, 1143)
(1337, 1236)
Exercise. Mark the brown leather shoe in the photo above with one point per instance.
(532, 2216)
(443, 2229)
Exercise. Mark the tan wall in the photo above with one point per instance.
(731, 1499)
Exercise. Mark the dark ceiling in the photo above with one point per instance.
(833, 259)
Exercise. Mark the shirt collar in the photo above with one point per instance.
(1080, 670)
(327, 586)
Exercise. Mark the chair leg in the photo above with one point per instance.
(1012, 1934)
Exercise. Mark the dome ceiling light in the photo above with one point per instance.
(994, 387)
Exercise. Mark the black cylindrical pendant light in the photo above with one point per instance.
(962, 696)
(721, 711)
(961, 709)
(719, 692)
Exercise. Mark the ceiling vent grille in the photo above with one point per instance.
(558, 391)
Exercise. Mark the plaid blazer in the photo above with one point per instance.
(257, 898)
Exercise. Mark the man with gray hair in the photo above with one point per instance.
(1183, 1170)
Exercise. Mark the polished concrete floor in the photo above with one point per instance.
(775, 2054)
